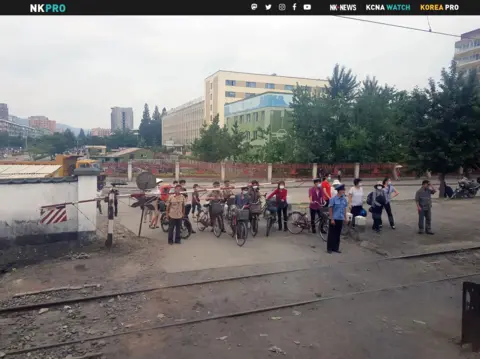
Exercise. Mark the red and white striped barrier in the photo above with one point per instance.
(53, 215)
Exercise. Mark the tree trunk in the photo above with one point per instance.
(441, 177)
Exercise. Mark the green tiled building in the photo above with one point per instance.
(267, 109)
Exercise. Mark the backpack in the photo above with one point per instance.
(370, 199)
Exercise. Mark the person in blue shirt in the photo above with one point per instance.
(338, 215)
(242, 199)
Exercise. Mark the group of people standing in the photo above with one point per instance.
(332, 195)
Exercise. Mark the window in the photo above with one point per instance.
(229, 94)
(230, 82)
(249, 94)
(211, 107)
(262, 116)
(241, 119)
(269, 86)
(248, 118)
(211, 85)
(251, 84)
(255, 116)
(308, 88)
(288, 87)
(254, 135)
(211, 96)
(247, 135)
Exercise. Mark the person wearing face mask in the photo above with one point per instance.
(355, 199)
(390, 193)
(254, 192)
(327, 188)
(175, 213)
(315, 195)
(376, 200)
(280, 194)
(242, 198)
(338, 215)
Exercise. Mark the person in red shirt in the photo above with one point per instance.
(280, 194)
(327, 188)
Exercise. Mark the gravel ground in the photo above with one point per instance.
(176, 305)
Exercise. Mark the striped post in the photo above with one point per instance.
(111, 204)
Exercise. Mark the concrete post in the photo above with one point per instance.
(129, 171)
(222, 171)
(177, 170)
(356, 170)
(269, 172)
(314, 170)
(87, 189)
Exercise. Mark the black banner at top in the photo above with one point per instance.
(239, 7)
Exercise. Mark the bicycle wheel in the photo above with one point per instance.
(323, 228)
(269, 225)
(217, 227)
(203, 221)
(241, 234)
(230, 227)
(296, 222)
(185, 229)
(164, 222)
(254, 225)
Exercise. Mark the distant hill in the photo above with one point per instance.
(24, 121)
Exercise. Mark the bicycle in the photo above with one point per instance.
(256, 209)
(301, 221)
(270, 212)
(238, 224)
(203, 218)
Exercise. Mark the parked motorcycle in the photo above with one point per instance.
(466, 188)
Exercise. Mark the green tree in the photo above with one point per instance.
(342, 84)
(445, 124)
(144, 128)
(155, 128)
(238, 142)
(70, 138)
(82, 138)
(122, 139)
(214, 143)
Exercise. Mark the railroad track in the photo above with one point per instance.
(87, 319)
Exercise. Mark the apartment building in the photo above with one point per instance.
(100, 132)
(182, 124)
(15, 129)
(3, 111)
(42, 122)
(121, 119)
(467, 51)
(229, 86)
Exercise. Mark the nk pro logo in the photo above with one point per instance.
(48, 8)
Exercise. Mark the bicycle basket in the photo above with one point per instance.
(230, 201)
(243, 215)
(256, 208)
(217, 208)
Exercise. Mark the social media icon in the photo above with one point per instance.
(254, 6)
(268, 6)
(307, 7)
(282, 7)
(294, 6)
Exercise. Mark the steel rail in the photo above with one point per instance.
(240, 314)
(53, 303)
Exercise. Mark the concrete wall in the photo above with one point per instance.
(22, 235)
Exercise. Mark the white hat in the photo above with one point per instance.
(336, 182)
(159, 180)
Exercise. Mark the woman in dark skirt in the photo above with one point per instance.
(338, 215)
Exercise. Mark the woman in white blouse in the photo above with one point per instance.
(355, 199)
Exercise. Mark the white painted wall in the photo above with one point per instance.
(20, 207)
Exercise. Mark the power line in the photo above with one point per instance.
(403, 27)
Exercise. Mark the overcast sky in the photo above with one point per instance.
(73, 69)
